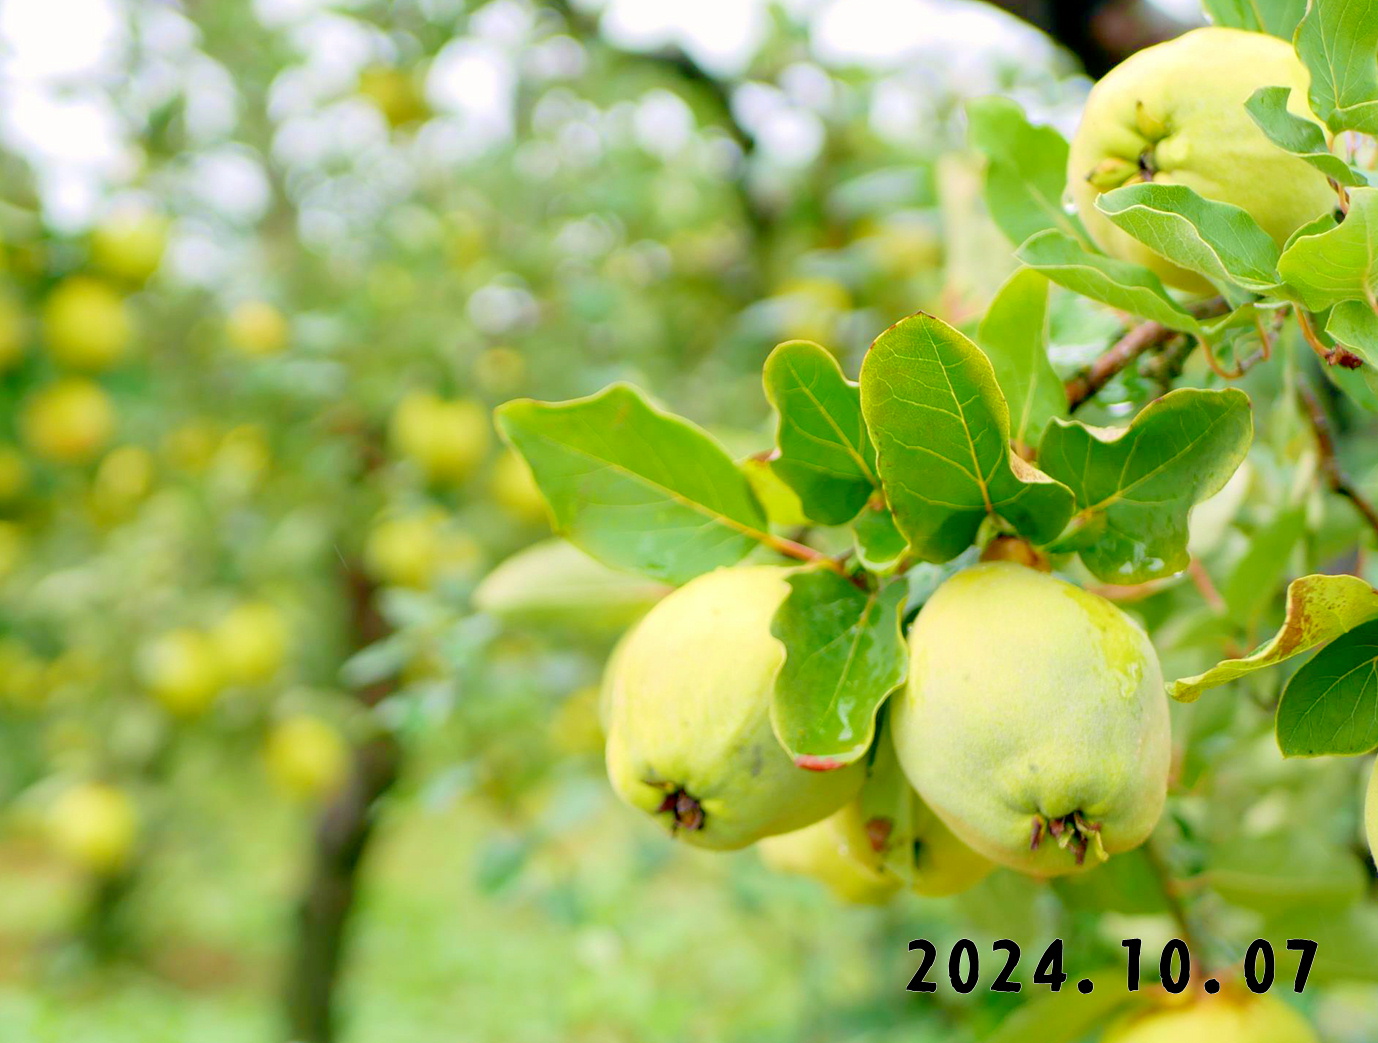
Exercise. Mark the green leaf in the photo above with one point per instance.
(1220, 241)
(1279, 17)
(636, 487)
(1338, 42)
(825, 453)
(1266, 874)
(879, 543)
(1319, 609)
(1338, 265)
(1014, 336)
(1330, 705)
(844, 654)
(941, 430)
(1134, 486)
(1128, 287)
(1298, 135)
(1354, 324)
(1026, 170)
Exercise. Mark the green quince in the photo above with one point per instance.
(1034, 721)
(1174, 114)
(688, 702)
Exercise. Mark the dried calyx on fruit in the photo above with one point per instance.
(687, 700)
(1034, 722)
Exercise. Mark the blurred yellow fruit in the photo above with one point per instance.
(122, 480)
(446, 438)
(1230, 1017)
(257, 329)
(403, 551)
(14, 474)
(12, 546)
(129, 244)
(11, 332)
(86, 324)
(95, 826)
(69, 421)
(243, 456)
(812, 308)
(307, 757)
(412, 550)
(575, 727)
(22, 674)
(251, 641)
(191, 446)
(395, 94)
(181, 670)
(515, 490)
(500, 371)
(467, 239)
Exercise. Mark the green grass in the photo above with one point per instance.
(602, 932)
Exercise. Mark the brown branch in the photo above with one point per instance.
(1147, 336)
(1101, 33)
(1335, 476)
(1120, 356)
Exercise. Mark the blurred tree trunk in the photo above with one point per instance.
(342, 836)
(1101, 33)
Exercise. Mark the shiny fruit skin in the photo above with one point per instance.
(1193, 88)
(1033, 707)
(689, 737)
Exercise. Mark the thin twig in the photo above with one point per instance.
(1203, 583)
(1168, 885)
(1330, 463)
(1118, 357)
(1145, 337)
(800, 552)
(1336, 356)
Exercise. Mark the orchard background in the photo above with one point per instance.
(282, 757)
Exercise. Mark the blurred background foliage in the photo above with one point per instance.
(266, 270)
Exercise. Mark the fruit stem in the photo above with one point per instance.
(800, 552)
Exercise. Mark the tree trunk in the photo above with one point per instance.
(1101, 33)
(341, 841)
